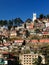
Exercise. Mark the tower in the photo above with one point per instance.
(34, 16)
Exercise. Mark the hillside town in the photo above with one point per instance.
(25, 44)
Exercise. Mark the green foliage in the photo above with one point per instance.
(25, 25)
(16, 21)
(35, 21)
(47, 15)
(45, 52)
(27, 51)
(10, 23)
(24, 42)
(39, 60)
(27, 33)
(37, 31)
(41, 16)
(3, 22)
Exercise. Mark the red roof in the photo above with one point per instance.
(34, 41)
(5, 52)
(45, 33)
(6, 44)
(18, 41)
(1, 45)
(44, 40)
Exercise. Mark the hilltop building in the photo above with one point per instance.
(34, 16)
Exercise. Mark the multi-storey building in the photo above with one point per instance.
(27, 59)
(30, 59)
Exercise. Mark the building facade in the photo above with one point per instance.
(28, 59)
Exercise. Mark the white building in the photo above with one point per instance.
(47, 24)
(34, 16)
(27, 59)
(30, 59)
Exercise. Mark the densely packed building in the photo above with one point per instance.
(24, 39)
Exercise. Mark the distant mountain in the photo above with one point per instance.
(18, 21)
(28, 20)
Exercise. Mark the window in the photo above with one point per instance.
(29, 58)
(24, 58)
(29, 55)
(24, 63)
(30, 63)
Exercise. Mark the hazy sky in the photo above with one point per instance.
(24, 9)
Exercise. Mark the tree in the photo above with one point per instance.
(1, 23)
(5, 22)
(15, 61)
(45, 52)
(24, 42)
(27, 33)
(47, 15)
(36, 21)
(37, 31)
(41, 16)
(25, 25)
(17, 32)
(39, 60)
(44, 17)
(10, 23)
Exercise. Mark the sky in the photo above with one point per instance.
(10, 9)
